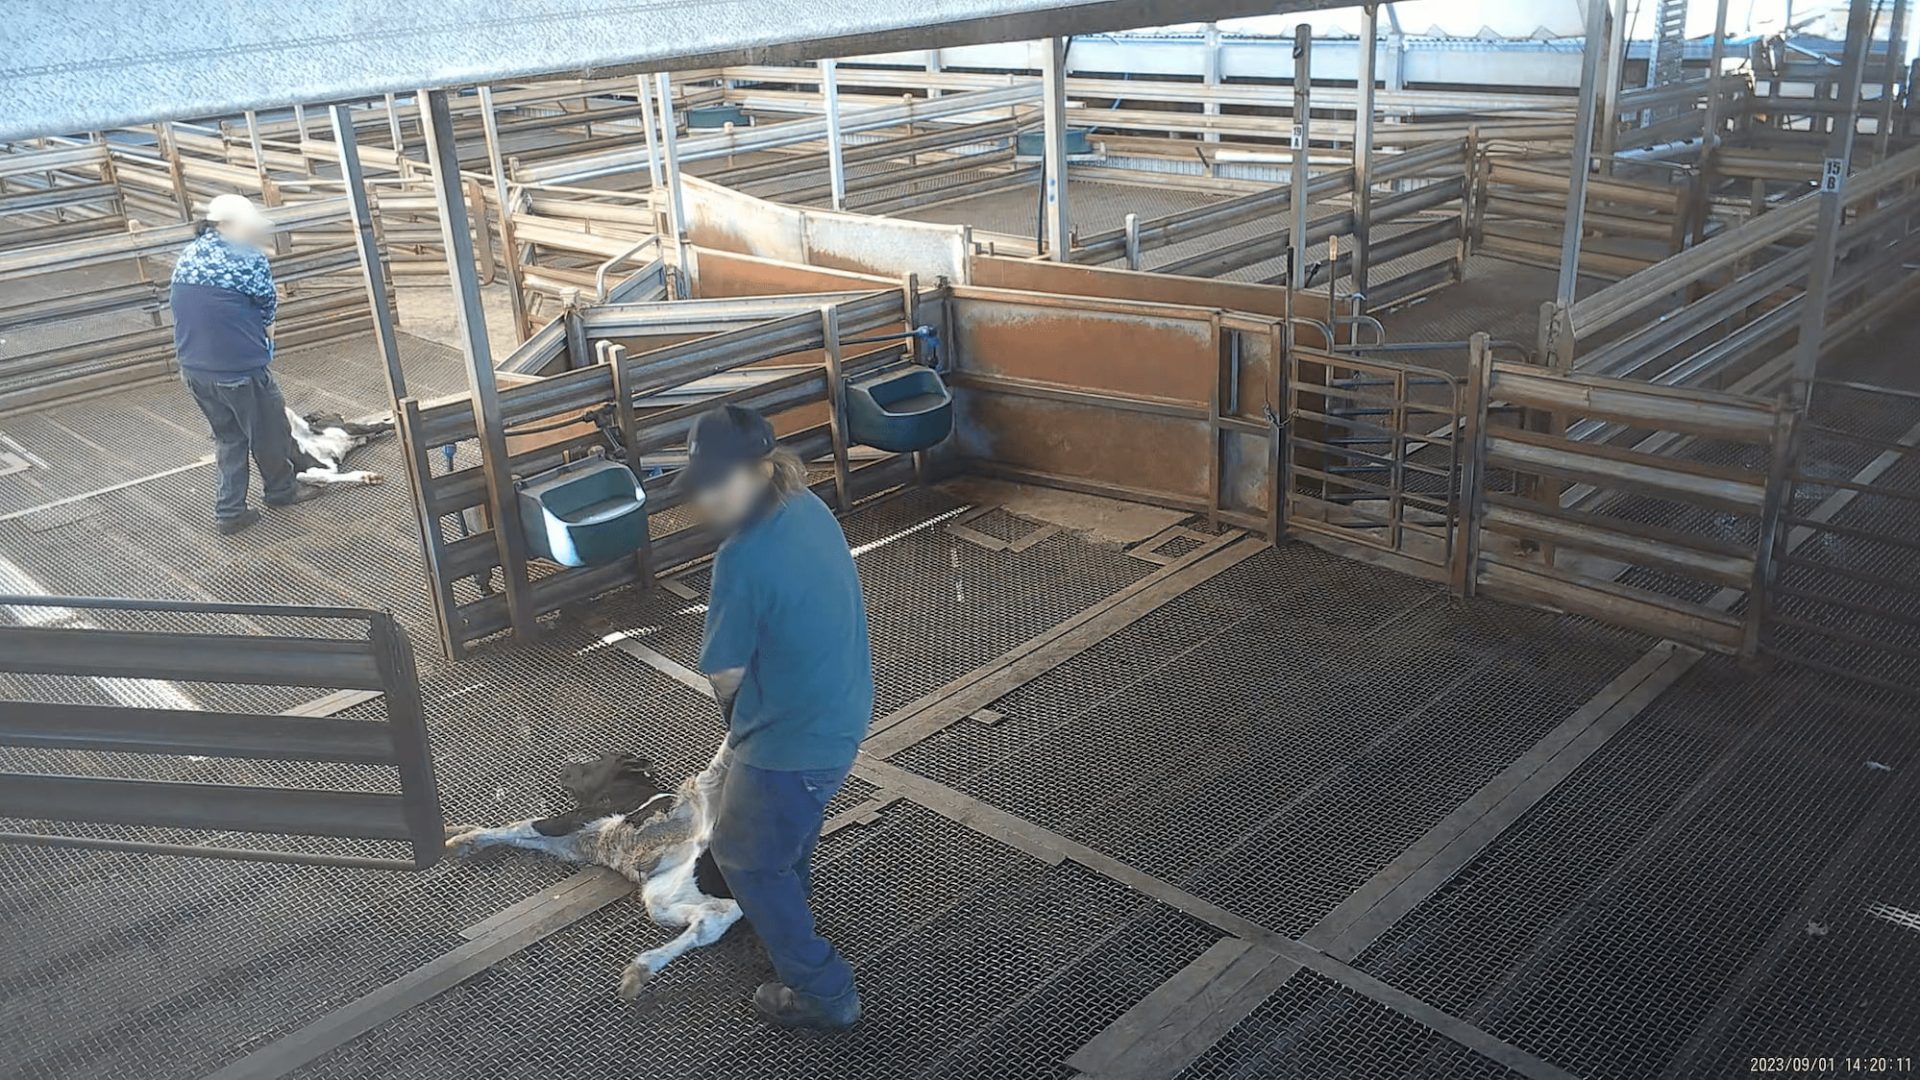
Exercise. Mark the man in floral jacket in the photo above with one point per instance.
(223, 302)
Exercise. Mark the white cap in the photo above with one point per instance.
(231, 209)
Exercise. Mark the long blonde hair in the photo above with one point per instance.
(789, 472)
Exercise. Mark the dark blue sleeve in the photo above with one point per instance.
(733, 620)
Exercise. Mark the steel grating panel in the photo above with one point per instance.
(1867, 626)
(1279, 734)
(973, 960)
(940, 606)
(1317, 1030)
(205, 959)
(1497, 297)
(305, 940)
(1621, 928)
(218, 957)
(137, 432)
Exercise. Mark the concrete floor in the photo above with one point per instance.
(427, 311)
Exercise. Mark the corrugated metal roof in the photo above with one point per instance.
(82, 65)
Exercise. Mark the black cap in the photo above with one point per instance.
(721, 439)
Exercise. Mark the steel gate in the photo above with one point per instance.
(1843, 594)
(96, 732)
(1372, 460)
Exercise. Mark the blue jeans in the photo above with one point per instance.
(247, 414)
(763, 842)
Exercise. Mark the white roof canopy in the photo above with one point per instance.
(82, 65)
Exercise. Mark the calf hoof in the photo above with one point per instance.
(460, 840)
(634, 980)
(374, 478)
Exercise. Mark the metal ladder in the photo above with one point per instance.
(1669, 48)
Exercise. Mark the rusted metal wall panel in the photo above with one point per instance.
(1256, 356)
(726, 220)
(1111, 347)
(999, 272)
(1167, 404)
(1144, 455)
(725, 273)
(1244, 474)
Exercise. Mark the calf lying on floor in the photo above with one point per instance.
(628, 821)
(321, 443)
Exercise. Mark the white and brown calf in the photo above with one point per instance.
(630, 822)
(321, 443)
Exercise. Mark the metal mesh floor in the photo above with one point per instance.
(87, 445)
(1732, 875)
(1720, 882)
(1273, 738)
(973, 960)
(205, 961)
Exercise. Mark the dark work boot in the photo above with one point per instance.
(782, 1005)
(301, 493)
(229, 526)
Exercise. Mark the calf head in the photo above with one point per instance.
(613, 782)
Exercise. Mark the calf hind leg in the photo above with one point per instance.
(706, 922)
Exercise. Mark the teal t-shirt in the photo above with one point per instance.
(786, 605)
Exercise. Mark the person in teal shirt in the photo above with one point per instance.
(787, 651)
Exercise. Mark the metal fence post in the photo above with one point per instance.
(1363, 147)
(1302, 167)
(1833, 183)
(1607, 133)
(670, 143)
(1053, 81)
(407, 726)
(371, 264)
(1591, 55)
(1896, 63)
(1773, 534)
(614, 355)
(170, 149)
(1472, 451)
(1279, 407)
(300, 132)
(502, 505)
(1210, 76)
(414, 455)
(490, 123)
(1710, 125)
(836, 405)
(393, 130)
(836, 159)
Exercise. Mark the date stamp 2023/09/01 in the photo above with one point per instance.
(1833, 1065)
